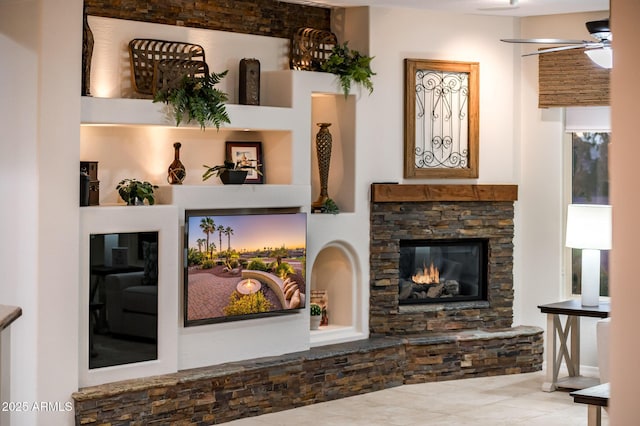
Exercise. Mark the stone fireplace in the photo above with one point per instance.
(463, 231)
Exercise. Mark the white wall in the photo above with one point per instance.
(19, 192)
(39, 114)
(397, 34)
(542, 205)
(59, 74)
(626, 202)
(111, 68)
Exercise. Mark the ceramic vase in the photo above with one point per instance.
(176, 171)
(233, 177)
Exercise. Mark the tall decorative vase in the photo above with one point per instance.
(323, 150)
(87, 53)
(177, 172)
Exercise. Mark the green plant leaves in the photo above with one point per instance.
(228, 165)
(196, 99)
(131, 190)
(350, 66)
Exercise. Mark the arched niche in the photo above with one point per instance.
(337, 270)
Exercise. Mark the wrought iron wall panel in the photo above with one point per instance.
(441, 119)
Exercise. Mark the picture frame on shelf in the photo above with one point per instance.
(247, 154)
(441, 131)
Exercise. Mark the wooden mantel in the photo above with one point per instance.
(399, 193)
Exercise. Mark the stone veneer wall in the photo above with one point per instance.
(395, 221)
(269, 18)
(222, 393)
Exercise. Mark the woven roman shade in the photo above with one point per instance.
(569, 78)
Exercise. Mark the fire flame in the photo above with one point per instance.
(249, 286)
(430, 275)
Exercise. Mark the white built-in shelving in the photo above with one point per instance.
(133, 137)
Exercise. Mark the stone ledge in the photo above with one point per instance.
(436, 307)
(238, 367)
(248, 388)
(503, 333)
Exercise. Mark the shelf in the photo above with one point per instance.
(138, 112)
(234, 196)
(276, 112)
(331, 334)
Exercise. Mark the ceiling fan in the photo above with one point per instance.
(599, 50)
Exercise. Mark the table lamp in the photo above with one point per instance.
(589, 229)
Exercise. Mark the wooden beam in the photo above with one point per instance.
(394, 193)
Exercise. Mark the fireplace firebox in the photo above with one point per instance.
(437, 271)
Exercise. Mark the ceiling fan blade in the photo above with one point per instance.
(553, 49)
(544, 41)
(561, 48)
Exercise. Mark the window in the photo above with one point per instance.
(589, 185)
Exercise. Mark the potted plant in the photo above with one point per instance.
(197, 99)
(329, 206)
(315, 313)
(350, 66)
(134, 192)
(230, 172)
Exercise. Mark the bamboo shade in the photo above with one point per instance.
(569, 78)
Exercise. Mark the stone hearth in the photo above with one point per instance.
(226, 392)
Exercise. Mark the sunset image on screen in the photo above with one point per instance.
(240, 266)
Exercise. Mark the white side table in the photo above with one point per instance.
(564, 341)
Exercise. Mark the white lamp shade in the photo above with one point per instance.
(602, 57)
(589, 226)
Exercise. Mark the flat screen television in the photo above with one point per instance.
(243, 264)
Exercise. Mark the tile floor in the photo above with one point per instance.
(504, 400)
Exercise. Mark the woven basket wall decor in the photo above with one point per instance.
(160, 64)
(310, 48)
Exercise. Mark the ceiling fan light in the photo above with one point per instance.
(601, 57)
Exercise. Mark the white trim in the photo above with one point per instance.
(566, 198)
(587, 119)
(122, 219)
